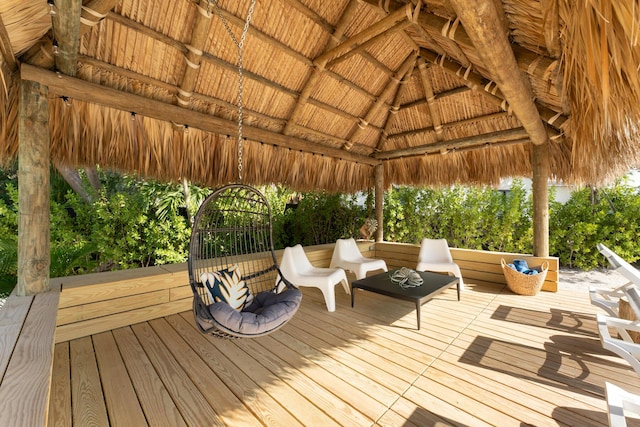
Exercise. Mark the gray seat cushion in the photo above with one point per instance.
(268, 312)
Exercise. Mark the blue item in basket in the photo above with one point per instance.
(520, 265)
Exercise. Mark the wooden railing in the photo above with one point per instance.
(99, 302)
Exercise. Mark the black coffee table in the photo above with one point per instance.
(434, 283)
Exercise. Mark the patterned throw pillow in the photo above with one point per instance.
(227, 286)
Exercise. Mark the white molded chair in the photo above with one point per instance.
(346, 255)
(619, 402)
(623, 346)
(435, 256)
(295, 266)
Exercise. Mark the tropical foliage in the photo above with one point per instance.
(132, 223)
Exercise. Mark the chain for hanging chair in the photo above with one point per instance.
(240, 45)
(406, 278)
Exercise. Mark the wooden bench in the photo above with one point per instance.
(27, 333)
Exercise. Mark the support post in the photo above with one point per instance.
(379, 193)
(33, 190)
(540, 163)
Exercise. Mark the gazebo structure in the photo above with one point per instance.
(341, 95)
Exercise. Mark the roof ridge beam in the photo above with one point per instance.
(82, 90)
(454, 144)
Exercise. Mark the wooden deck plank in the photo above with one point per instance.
(86, 392)
(60, 398)
(332, 405)
(12, 317)
(26, 384)
(152, 394)
(192, 404)
(220, 397)
(494, 358)
(120, 396)
(243, 385)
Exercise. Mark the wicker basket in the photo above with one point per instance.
(525, 284)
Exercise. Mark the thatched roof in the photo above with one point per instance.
(438, 92)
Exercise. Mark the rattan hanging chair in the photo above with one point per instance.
(238, 289)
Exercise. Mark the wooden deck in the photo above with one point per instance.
(494, 358)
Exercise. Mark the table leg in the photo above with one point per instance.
(458, 290)
(418, 305)
(352, 297)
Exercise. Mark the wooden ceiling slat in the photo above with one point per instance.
(451, 125)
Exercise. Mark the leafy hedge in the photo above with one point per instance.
(131, 223)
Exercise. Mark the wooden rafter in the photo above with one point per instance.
(447, 126)
(66, 32)
(92, 13)
(400, 26)
(391, 87)
(228, 66)
(372, 31)
(430, 98)
(393, 111)
(440, 95)
(248, 113)
(455, 144)
(79, 89)
(488, 88)
(316, 72)
(194, 55)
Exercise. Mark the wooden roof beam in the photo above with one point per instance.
(393, 111)
(446, 126)
(92, 13)
(440, 95)
(379, 27)
(194, 57)
(391, 87)
(66, 33)
(480, 20)
(431, 99)
(400, 26)
(316, 72)
(454, 144)
(85, 91)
